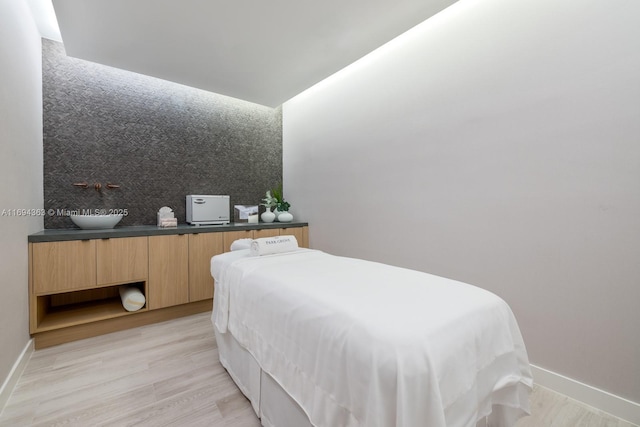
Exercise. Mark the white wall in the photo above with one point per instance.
(498, 144)
(20, 170)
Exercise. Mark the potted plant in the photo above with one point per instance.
(282, 206)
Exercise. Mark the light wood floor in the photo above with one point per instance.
(168, 374)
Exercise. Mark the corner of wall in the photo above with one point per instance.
(14, 375)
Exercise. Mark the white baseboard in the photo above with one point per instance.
(596, 398)
(12, 379)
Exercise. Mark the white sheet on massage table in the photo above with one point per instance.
(365, 344)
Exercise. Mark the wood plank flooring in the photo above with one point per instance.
(168, 374)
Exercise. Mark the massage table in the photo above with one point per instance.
(319, 340)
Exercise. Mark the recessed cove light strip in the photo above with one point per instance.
(431, 24)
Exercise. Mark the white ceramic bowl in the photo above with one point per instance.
(96, 222)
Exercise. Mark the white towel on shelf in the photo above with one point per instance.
(273, 245)
(132, 298)
(240, 244)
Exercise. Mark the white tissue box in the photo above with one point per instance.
(241, 213)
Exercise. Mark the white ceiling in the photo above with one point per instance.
(263, 51)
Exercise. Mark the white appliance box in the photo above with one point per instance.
(207, 210)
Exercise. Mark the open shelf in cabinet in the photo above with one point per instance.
(80, 307)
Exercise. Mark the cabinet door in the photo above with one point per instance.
(202, 247)
(300, 234)
(168, 271)
(63, 266)
(266, 232)
(122, 260)
(230, 236)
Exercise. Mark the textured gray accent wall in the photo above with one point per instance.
(158, 140)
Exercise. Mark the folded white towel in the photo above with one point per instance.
(240, 244)
(132, 298)
(273, 245)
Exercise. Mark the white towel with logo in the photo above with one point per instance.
(273, 245)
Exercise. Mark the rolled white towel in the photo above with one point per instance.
(273, 245)
(132, 298)
(240, 244)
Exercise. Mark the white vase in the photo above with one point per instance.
(285, 217)
(268, 216)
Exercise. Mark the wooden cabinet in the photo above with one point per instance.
(168, 271)
(122, 260)
(63, 266)
(74, 284)
(202, 247)
(231, 236)
(85, 264)
(267, 232)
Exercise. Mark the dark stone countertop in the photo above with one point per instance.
(64, 234)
